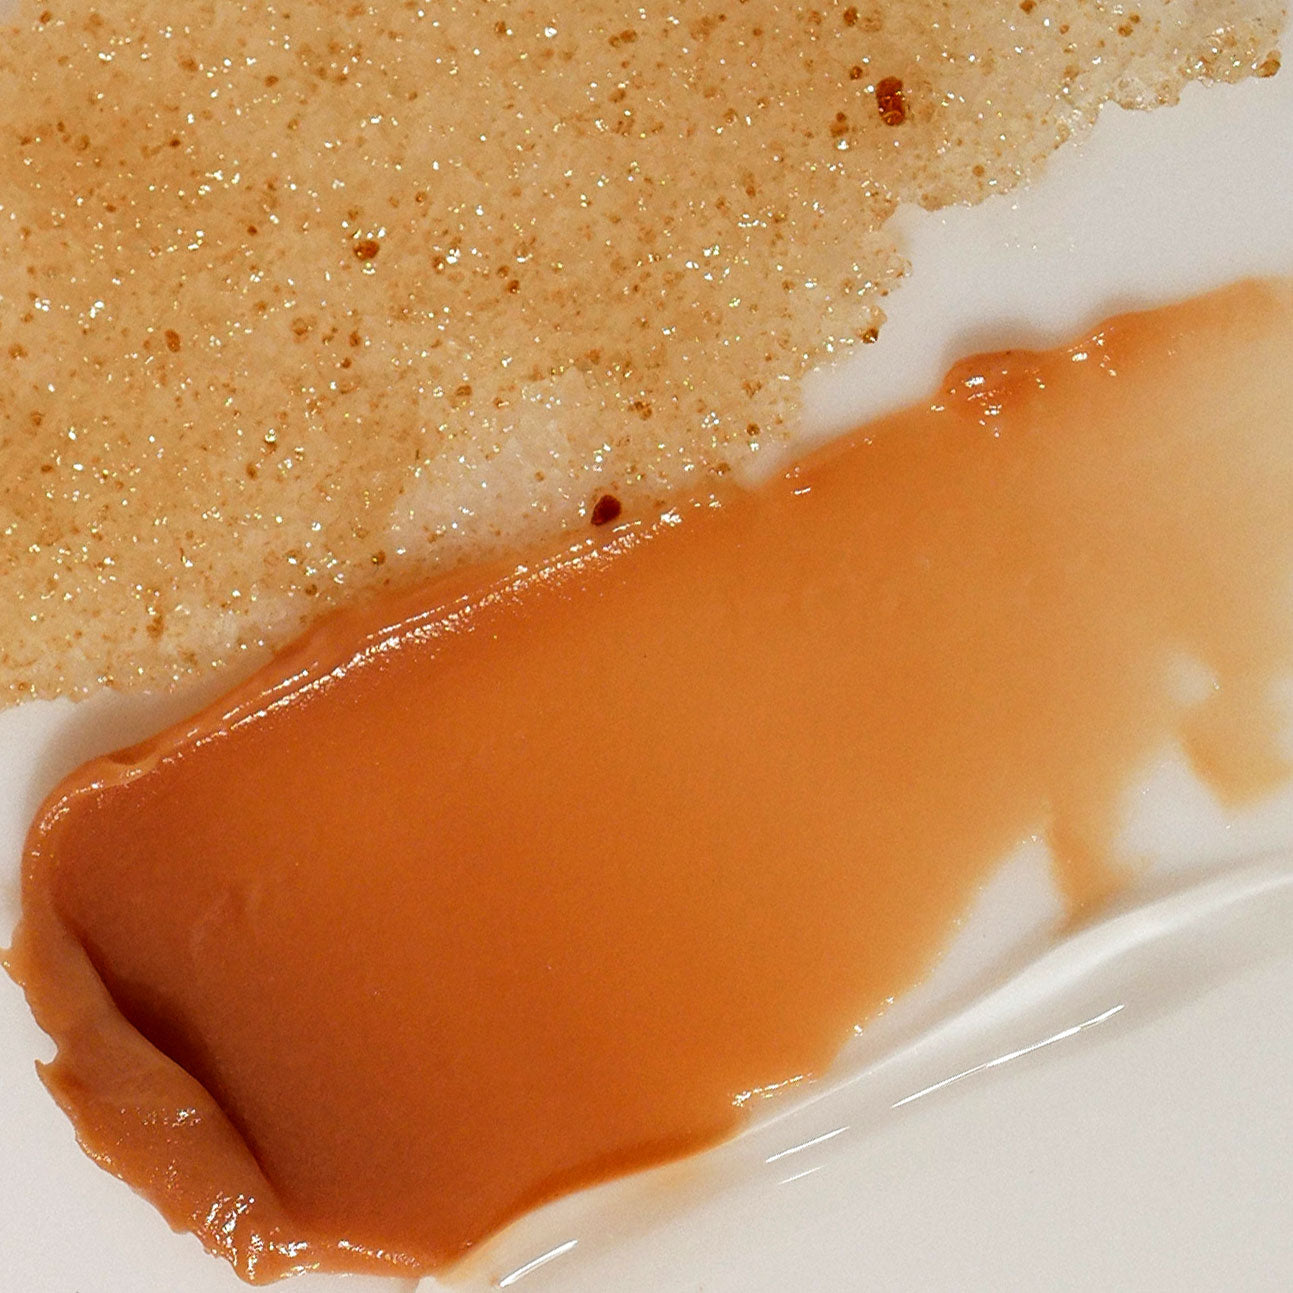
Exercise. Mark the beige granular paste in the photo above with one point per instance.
(298, 299)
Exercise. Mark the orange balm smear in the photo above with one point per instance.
(502, 886)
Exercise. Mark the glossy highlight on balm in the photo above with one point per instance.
(504, 884)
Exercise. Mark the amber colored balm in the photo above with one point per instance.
(500, 886)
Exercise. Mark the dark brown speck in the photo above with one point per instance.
(606, 509)
(888, 98)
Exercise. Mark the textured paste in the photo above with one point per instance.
(300, 300)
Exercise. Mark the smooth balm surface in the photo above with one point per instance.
(499, 886)
(297, 301)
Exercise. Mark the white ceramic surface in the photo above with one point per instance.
(1112, 1112)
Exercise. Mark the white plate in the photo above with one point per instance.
(1117, 1115)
